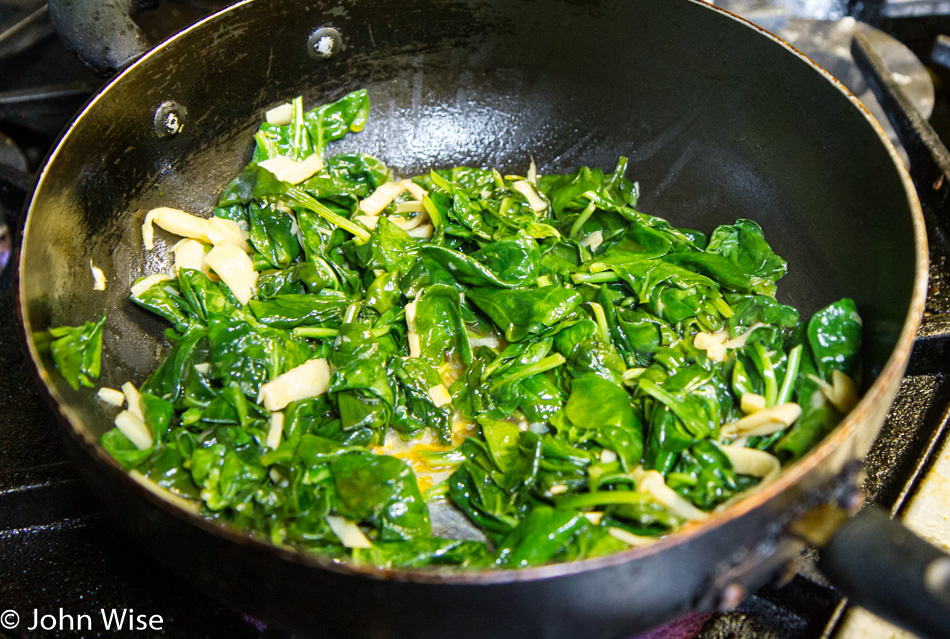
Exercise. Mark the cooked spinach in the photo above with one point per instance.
(571, 374)
(77, 351)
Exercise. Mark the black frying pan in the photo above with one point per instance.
(719, 120)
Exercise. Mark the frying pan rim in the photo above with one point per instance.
(749, 501)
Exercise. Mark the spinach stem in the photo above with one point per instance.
(298, 127)
(601, 317)
(595, 278)
(434, 214)
(321, 332)
(582, 218)
(546, 364)
(768, 375)
(597, 498)
(351, 312)
(439, 458)
(270, 150)
(436, 490)
(304, 199)
(723, 307)
(315, 331)
(791, 372)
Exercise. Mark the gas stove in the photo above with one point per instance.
(61, 555)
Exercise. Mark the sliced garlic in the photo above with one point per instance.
(842, 392)
(276, 429)
(739, 340)
(713, 344)
(764, 422)
(382, 196)
(753, 462)
(147, 282)
(310, 379)
(235, 269)
(439, 395)
(717, 344)
(652, 483)
(134, 428)
(369, 221)
(281, 115)
(289, 170)
(111, 396)
(627, 537)
(409, 223)
(593, 240)
(532, 172)
(421, 232)
(214, 231)
(189, 254)
(417, 191)
(410, 207)
(164, 493)
(98, 278)
(133, 399)
(491, 341)
(415, 348)
(608, 456)
(534, 200)
(594, 516)
(751, 403)
(348, 533)
(221, 231)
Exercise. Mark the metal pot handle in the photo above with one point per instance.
(881, 565)
(101, 32)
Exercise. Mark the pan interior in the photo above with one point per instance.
(719, 122)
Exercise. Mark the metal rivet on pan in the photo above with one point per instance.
(937, 576)
(169, 118)
(324, 43)
(732, 596)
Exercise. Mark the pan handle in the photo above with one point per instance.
(101, 32)
(874, 560)
(880, 565)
